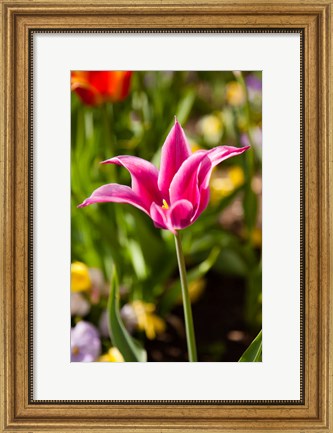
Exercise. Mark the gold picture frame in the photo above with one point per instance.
(18, 411)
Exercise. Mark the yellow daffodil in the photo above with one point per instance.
(235, 94)
(147, 320)
(113, 355)
(80, 278)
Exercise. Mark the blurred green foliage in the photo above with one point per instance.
(214, 108)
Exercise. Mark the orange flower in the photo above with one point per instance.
(96, 87)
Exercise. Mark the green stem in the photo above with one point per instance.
(192, 351)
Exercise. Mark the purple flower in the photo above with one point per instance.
(244, 140)
(174, 196)
(85, 343)
(254, 89)
(253, 83)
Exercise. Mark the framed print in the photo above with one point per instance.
(167, 215)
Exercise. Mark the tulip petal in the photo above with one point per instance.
(220, 153)
(86, 92)
(217, 155)
(185, 183)
(191, 182)
(176, 218)
(114, 193)
(144, 177)
(113, 85)
(175, 151)
(180, 214)
(118, 84)
(204, 194)
(159, 216)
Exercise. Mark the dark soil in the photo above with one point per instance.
(221, 331)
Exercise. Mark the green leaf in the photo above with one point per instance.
(143, 231)
(125, 343)
(137, 258)
(185, 106)
(231, 262)
(254, 352)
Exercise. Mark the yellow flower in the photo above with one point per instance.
(194, 146)
(235, 94)
(236, 176)
(113, 355)
(256, 237)
(80, 279)
(211, 127)
(195, 289)
(148, 322)
(222, 186)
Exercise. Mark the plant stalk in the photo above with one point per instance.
(190, 337)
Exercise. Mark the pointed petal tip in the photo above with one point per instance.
(177, 126)
(109, 161)
(83, 204)
(175, 151)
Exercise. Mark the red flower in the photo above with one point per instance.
(96, 87)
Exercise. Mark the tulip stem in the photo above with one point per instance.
(191, 346)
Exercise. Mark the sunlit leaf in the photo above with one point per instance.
(185, 106)
(125, 343)
(254, 352)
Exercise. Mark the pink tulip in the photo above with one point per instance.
(174, 196)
